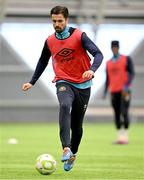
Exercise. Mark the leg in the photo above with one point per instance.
(116, 104)
(77, 115)
(125, 109)
(126, 97)
(65, 96)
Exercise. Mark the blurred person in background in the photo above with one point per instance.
(119, 76)
(73, 70)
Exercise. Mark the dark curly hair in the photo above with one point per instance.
(60, 10)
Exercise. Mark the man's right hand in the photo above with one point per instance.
(26, 86)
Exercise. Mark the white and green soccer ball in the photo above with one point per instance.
(46, 164)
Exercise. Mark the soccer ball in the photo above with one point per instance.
(46, 164)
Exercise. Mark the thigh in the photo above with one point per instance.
(64, 93)
(82, 98)
(116, 101)
(126, 99)
(79, 106)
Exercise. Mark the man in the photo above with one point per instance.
(119, 76)
(73, 77)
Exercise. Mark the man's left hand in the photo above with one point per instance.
(88, 74)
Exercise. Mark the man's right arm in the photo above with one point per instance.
(42, 63)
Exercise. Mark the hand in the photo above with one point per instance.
(88, 74)
(26, 86)
(126, 88)
(126, 95)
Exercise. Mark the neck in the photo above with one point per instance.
(64, 34)
(115, 56)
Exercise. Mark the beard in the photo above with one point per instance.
(58, 30)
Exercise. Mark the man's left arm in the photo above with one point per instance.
(131, 73)
(130, 70)
(89, 45)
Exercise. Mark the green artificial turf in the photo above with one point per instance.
(97, 159)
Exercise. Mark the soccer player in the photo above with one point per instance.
(73, 70)
(119, 76)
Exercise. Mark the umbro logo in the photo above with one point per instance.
(65, 52)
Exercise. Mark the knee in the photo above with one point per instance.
(65, 106)
(125, 114)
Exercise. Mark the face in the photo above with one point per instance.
(115, 50)
(59, 22)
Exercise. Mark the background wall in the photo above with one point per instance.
(40, 103)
